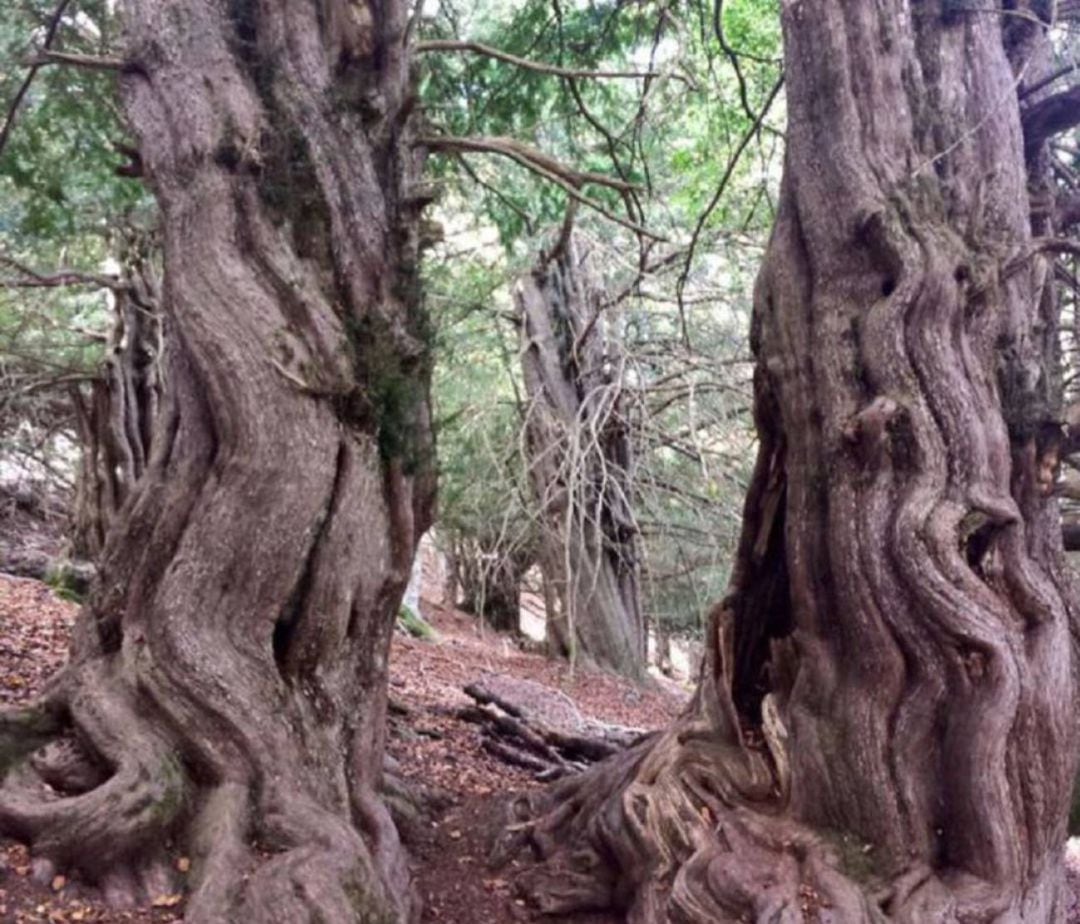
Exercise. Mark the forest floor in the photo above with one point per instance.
(427, 738)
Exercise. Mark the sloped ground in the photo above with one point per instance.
(430, 743)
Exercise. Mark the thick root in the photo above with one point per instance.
(98, 789)
(691, 829)
(103, 790)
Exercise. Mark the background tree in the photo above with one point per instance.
(681, 305)
(581, 459)
(71, 333)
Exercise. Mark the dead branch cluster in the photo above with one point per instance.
(528, 725)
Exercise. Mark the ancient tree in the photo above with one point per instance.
(580, 462)
(885, 725)
(226, 691)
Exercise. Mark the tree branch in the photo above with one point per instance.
(729, 171)
(64, 277)
(20, 95)
(542, 165)
(88, 62)
(537, 66)
(524, 155)
(498, 193)
(1046, 81)
(1050, 116)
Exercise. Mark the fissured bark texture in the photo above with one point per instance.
(899, 634)
(930, 694)
(227, 684)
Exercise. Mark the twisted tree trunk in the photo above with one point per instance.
(226, 691)
(581, 464)
(885, 726)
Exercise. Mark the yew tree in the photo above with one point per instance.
(580, 458)
(225, 695)
(886, 722)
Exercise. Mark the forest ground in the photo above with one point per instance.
(429, 741)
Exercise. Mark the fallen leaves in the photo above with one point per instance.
(427, 739)
(35, 626)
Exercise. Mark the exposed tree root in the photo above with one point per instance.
(693, 827)
(104, 794)
(690, 828)
(100, 792)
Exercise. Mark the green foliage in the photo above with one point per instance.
(695, 440)
(62, 203)
(64, 583)
(58, 180)
(477, 406)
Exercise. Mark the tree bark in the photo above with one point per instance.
(581, 463)
(885, 723)
(226, 691)
(115, 421)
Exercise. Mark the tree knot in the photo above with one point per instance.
(868, 430)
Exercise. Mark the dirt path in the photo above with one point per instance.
(438, 749)
(428, 741)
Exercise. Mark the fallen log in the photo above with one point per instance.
(531, 726)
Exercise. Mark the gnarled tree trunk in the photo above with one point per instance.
(116, 420)
(581, 463)
(226, 691)
(885, 725)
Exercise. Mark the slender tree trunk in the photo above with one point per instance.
(662, 656)
(885, 725)
(226, 691)
(581, 463)
(116, 420)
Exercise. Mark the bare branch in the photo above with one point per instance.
(88, 62)
(543, 165)
(537, 66)
(1050, 116)
(524, 155)
(498, 193)
(724, 180)
(32, 279)
(1046, 81)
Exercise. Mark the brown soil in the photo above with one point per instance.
(432, 746)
